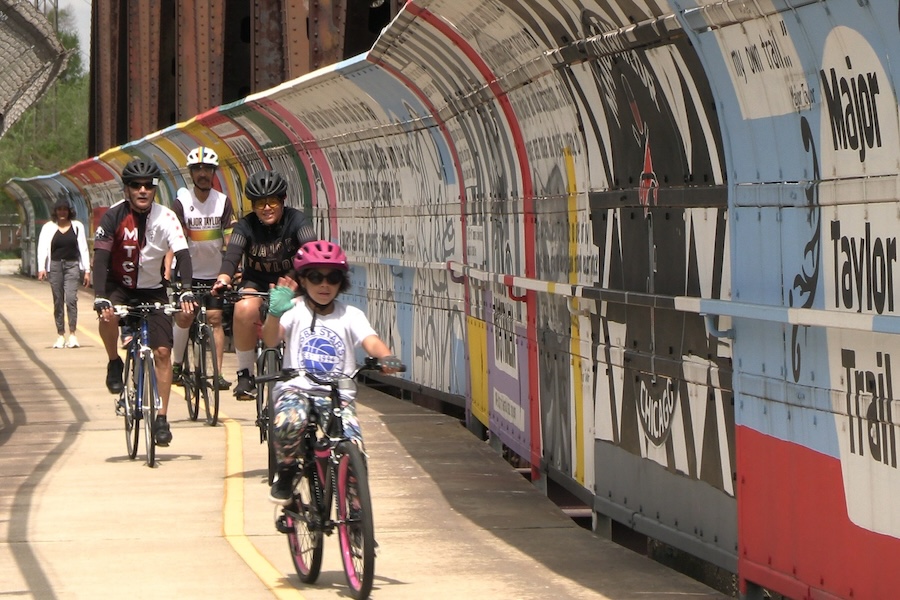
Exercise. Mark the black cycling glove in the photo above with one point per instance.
(101, 304)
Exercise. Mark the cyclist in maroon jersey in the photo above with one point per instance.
(129, 247)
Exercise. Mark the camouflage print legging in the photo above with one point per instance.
(292, 407)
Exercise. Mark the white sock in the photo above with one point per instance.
(180, 335)
(246, 359)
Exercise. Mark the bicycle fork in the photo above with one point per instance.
(146, 362)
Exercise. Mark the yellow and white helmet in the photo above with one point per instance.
(202, 156)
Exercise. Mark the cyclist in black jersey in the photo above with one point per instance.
(267, 239)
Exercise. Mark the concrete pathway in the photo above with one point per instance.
(78, 519)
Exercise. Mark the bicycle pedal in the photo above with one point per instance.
(282, 526)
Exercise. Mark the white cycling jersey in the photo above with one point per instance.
(205, 224)
(137, 243)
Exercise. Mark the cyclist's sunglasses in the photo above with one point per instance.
(264, 202)
(136, 185)
(316, 277)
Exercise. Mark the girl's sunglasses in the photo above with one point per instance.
(333, 277)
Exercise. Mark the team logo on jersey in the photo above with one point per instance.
(321, 350)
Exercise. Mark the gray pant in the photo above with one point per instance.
(64, 276)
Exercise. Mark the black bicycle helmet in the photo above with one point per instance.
(140, 169)
(264, 184)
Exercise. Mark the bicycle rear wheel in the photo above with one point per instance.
(149, 406)
(356, 527)
(304, 523)
(207, 372)
(190, 368)
(132, 416)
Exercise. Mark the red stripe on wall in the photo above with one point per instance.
(795, 535)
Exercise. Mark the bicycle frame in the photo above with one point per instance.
(141, 391)
(320, 441)
(147, 374)
(200, 357)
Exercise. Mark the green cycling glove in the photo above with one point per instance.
(280, 300)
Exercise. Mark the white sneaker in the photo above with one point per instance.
(60, 342)
(73, 341)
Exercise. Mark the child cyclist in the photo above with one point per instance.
(321, 334)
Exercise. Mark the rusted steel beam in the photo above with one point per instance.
(296, 37)
(104, 75)
(327, 24)
(143, 67)
(267, 65)
(199, 55)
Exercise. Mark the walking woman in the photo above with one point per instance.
(62, 257)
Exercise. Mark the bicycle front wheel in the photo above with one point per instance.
(356, 527)
(190, 374)
(207, 373)
(132, 415)
(269, 363)
(261, 413)
(304, 523)
(148, 401)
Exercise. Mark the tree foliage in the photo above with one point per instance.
(53, 134)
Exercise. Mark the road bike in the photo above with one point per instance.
(268, 362)
(140, 395)
(199, 365)
(330, 488)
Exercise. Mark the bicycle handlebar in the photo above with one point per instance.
(197, 288)
(370, 364)
(123, 310)
(237, 295)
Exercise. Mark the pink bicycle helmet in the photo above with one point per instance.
(320, 253)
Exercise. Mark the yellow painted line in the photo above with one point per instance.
(233, 506)
(576, 372)
(233, 515)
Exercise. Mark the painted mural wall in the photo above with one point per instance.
(649, 244)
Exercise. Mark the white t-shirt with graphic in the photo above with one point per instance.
(329, 347)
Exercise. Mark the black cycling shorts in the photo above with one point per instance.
(253, 285)
(210, 302)
(159, 324)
